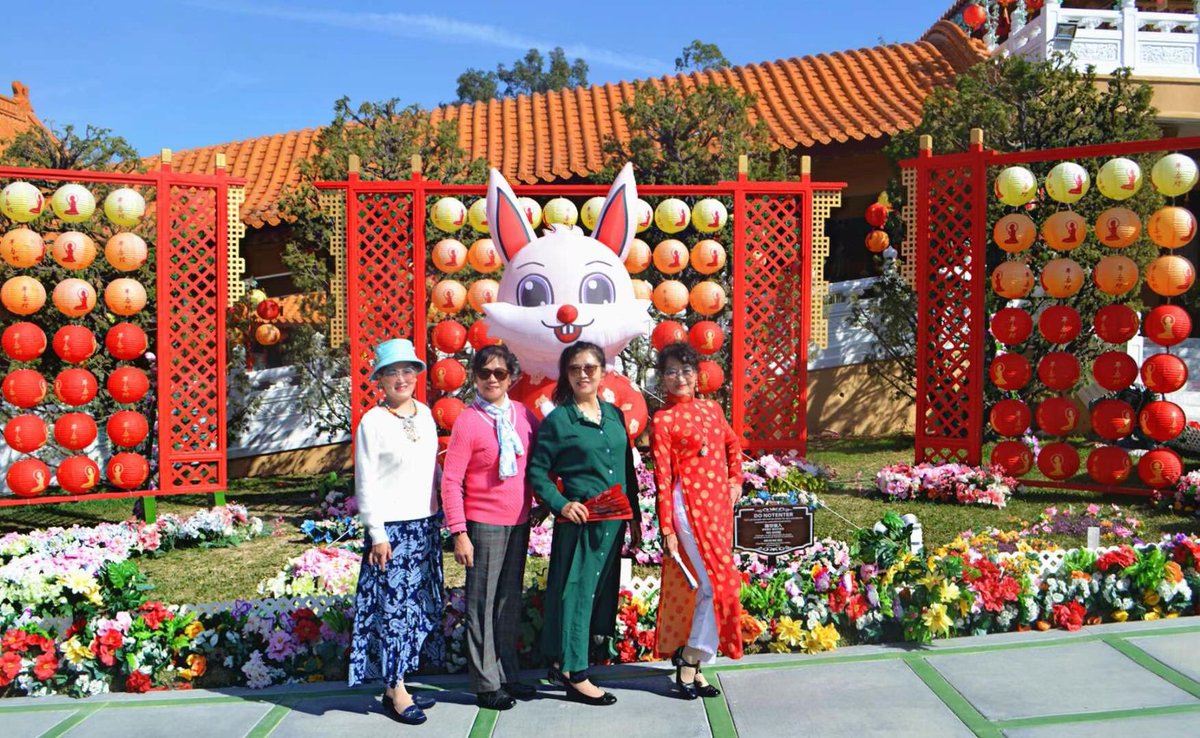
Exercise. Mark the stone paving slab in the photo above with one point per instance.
(1181, 652)
(1058, 680)
(1180, 724)
(32, 724)
(361, 716)
(643, 709)
(172, 721)
(834, 701)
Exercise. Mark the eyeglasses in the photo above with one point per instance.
(588, 369)
(685, 372)
(486, 374)
(407, 372)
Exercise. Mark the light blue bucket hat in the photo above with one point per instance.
(395, 351)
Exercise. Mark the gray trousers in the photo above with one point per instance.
(494, 586)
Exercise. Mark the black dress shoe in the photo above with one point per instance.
(498, 700)
(422, 701)
(554, 675)
(520, 691)
(411, 715)
(574, 695)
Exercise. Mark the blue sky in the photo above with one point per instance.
(203, 72)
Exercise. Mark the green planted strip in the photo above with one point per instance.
(485, 723)
(269, 722)
(1095, 716)
(959, 705)
(720, 719)
(1151, 664)
(71, 721)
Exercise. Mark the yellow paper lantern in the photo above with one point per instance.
(1115, 274)
(477, 215)
(73, 250)
(670, 256)
(707, 298)
(1012, 279)
(448, 214)
(672, 215)
(21, 202)
(449, 255)
(23, 295)
(482, 292)
(638, 259)
(448, 296)
(1062, 277)
(533, 211)
(560, 210)
(643, 213)
(22, 248)
(483, 256)
(1068, 182)
(1174, 175)
(642, 289)
(73, 203)
(126, 252)
(1015, 186)
(709, 215)
(125, 207)
(74, 297)
(590, 212)
(1014, 232)
(1170, 275)
(708, 256)
(1064, 231)
(1119, 179)
(268, 334)
(125, 296)
(1171, 227)
(1118, 228)
(670, 297)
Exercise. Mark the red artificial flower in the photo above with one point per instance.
(646, 639)
(1187, 553)
(626, 652)
(154, 613)
(15, 640)
(1069, 616)
(42, 642)
(307, 630)
(1121, 558)
(45, 666)
(137, 682)
(75, 628)
(10, 666)
(105, 646)
(304, 613)
(857, 607)
(838, 598)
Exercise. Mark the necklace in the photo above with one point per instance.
(408, 421)
(594, 417)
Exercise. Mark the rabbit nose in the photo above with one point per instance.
(567, 314)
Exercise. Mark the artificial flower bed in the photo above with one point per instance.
(1185, 498)
(960, 483)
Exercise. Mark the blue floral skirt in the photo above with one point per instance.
(398, 609)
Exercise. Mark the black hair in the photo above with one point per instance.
(679, 351)
(562, 391)
(495, 351)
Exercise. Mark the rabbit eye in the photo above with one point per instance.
(534, 291)
(597, 289)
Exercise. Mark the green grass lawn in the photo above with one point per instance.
(218, 574)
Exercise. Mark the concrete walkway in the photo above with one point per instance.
(1118, 679)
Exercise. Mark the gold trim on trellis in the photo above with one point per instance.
(333, 204)
(908, 214)
(823, 201)
(235, 265)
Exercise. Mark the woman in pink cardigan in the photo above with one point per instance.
(486, 503)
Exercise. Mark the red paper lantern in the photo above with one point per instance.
(1162, 420)
(78, 475)
(1058, 461)
(75, 431)
(667, 332)
(75, 386)
(1060, 324)
(710, 377)
(1058, 370)
(1115, 323)
(1160, 468)
(1164, 373)
(74, 344)
(1010, 417)
(446, 411)
(28, 478)
(128, 384)
(1114, 370)
(1013, 457)
(1109, 465)
(24, 388)
(1167, 325)
(1112, 419)
(126, 341)
(477, 336)
(974, 16)
(1057, 416)
(618, 390)
(268, 310)
(877, 242)
(877, 214)
(1011, 326)
(1010, 371)
(127, 470)
(449, 336)
(23, 341)
(447, 375)
(127, 428)
(25, 433)
(706, 337)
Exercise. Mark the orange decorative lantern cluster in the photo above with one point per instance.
(670, 297)
(1115, 274)
(74, 297)
(125, 296)
(23, 341)
(73, 251)
(707, 298)
(1010, 372)
(446, 411)
(25, 433)
(709, 378)
(1164, 373)
(1012, 280)
(126, 341)
(877, 213)
(706, 337)
(1167, 325)
(708, 256)
(75, 431)
(1115, 323)
(1014, 232)
(126, 252)
(478, 337)
(1064, 231)
(22, 248)
(1109, 465)
(482, 292)
(1161, 420)
(268, 334)
(448, 296)
(75, 386)
(1011, 326)
(127, 470)
(449, 336)
(1010, 417)
(1057, 416)
(78, 475)
(670, 256)
(268, 309)
(28, 478)
(1171, 275)
(877, 241)
(24, 388)
(1112, 419)
(1114, 370)
(1171, 227)
(667, 332)
(1060, 324)
(483, 256)
(639, 257)
(23, 295)
(1118, 228)
(1013, 457)
(447, 375)
(1058, 370)
(1058, 461)
(1062, 278)
(449, 255)
(74, 344)
(127, 428)
(1160, 468)
(127, 384)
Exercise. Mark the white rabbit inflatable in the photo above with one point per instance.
(566, 287)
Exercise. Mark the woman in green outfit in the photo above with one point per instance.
(583, 443)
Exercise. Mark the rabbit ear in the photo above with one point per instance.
(510, 231)
(616, 225)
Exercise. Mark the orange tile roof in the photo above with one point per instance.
(16, 112)
(822, 99)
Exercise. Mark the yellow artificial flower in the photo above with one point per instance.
(936, 619)
(1151, 598)
(779, 647)
(1120, 616)
(78, 581)
(821, 638)
(641, 606)
(931, 582)
(76, 652)
(789, 631)
(1171, 615)
(948, 592)
(193, 629)
(94, 596)
(313, 678)
(1151, 615)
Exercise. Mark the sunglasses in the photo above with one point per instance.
(588, 369)
(407, 372)
(486, 374)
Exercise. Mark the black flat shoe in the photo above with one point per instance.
(520, 691)
(422, 701)
(411, 715)
(498, 700)
(554, 675)
(574, 695)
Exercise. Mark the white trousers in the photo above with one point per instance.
(704, 618)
